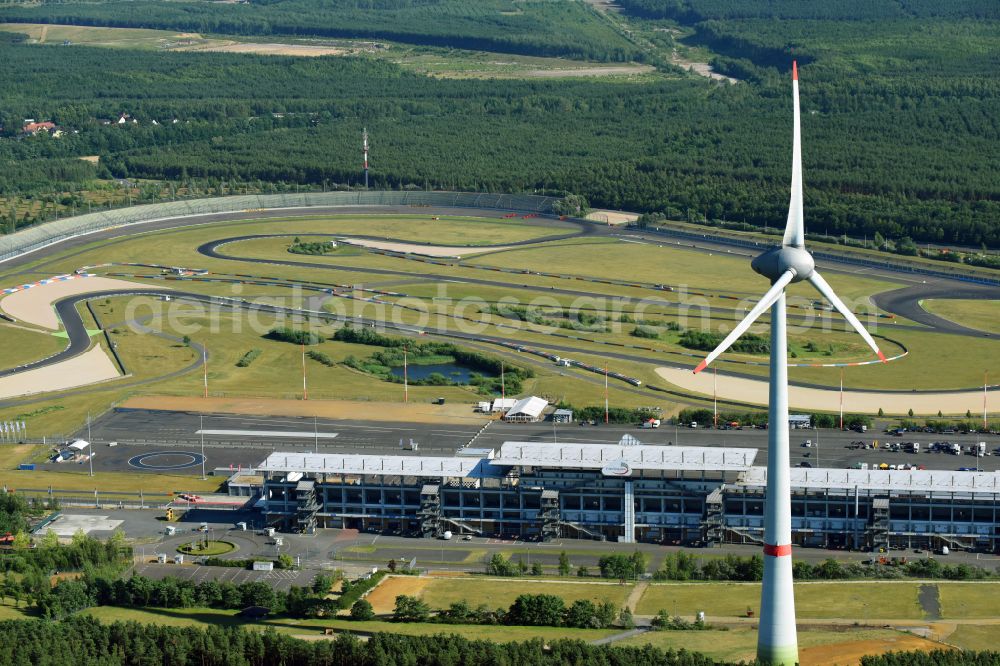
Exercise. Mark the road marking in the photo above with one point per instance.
(270, 433)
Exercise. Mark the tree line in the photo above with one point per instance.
(687, 148)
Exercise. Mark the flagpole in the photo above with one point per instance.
(715, 398)
(201, 429)
(305, 389)
(90, 443)
(841, 398)
(406, 381)
(606, 415)
(204, 365)
(986, 377)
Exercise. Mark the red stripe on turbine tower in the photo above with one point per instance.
(778, 551)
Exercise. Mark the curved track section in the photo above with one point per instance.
(906, 303)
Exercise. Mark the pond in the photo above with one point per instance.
(457, 374)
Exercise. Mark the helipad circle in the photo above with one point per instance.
(160, 461)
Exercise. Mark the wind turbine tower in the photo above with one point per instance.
(364, 143)
(782, 265)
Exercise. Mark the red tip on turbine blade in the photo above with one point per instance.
(701, 366)
(795, 71)
(882, 356)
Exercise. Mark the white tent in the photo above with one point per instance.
(526, 409)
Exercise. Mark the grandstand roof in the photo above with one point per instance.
(930, 480)
(338, 463)
(638, 457)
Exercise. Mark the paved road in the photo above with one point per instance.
(144, 431)
(905, 302)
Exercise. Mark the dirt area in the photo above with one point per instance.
(87, 368)
(612, 217)
(754, 391)
(334, 409)
(850, 653)
(615, 70)
(34, 305)
(269, 49)
(93, 159)
(700, 68)
(383, 597)
(425, 250)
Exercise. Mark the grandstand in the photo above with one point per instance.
(628, 492)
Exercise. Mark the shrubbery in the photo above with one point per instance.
(248, 358)
(285, 334)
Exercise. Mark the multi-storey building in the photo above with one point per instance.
(626, 492)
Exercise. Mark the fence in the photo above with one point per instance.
(715, 236)
(43, 235)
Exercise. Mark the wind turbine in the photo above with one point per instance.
(782, 265)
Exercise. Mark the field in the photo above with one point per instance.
(449, 297)
(981, 315)
(22, 345)
(439, 593)
(313, 628)
(817, 646)
(439, 62)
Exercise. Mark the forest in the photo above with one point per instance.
(83, 641)
(901, 120)
(533, 28)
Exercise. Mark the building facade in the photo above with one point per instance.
(627, 492)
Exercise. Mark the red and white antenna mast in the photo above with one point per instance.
(364, 142)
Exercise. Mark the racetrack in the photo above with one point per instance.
(903, 302)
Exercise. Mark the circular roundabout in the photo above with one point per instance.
(160, 461)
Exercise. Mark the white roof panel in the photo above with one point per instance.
(928, 480)
(597, 456)
(338, 463)
(533, 406)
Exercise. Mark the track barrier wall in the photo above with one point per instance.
(42, 235)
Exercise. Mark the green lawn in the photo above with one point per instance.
(979, 314)
(202, 616)
(21, 345)
(976, 637)
(741, 643)
(859, 600)
(442, 592)
(970, 600)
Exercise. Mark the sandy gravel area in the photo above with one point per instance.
(34, 305)
(273, 49)
(383, 597)
(335, 409)
(754, 391)
(613, 70)
(615, 217)
(849, 653)
(88, 368)
(425, 250)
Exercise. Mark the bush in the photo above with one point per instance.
(320, 357)
(285, 334)
(646, 332)
(248, 358)
(353, 591)
(362, 610)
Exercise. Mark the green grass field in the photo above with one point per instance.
(21, 345)
(969, 600)
(204, 616)
(741, 643)
(442, 592)
(975, 637)
(277, 373)
(982, 315)
(861, 600)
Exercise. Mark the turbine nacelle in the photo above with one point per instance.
(773, 263)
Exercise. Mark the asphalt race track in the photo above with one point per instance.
(903, 302)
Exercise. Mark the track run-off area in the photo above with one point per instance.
(385, 282)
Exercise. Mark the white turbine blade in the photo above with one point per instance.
(795, 226)
(823, 287)
(767, 301)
